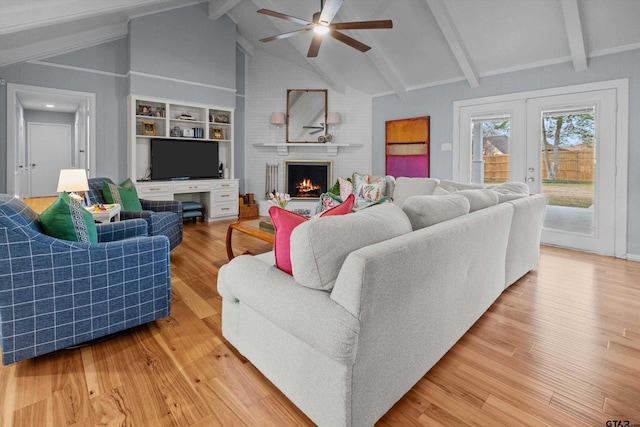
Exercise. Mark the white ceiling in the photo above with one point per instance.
(432, 41)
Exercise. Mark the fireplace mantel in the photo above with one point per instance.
(283, 149)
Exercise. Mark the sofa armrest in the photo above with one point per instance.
(114, 231)
(308, 314)
(162, 206)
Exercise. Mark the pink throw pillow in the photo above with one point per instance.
(285, 221)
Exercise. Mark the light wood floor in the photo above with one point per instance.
(561, 347)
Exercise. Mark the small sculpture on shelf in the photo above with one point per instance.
(176, 132)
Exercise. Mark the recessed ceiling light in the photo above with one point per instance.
(50, 106)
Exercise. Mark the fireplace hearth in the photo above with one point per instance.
(307, 179)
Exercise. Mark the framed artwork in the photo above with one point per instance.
(217, 133)
(407, 147)
(148, 128)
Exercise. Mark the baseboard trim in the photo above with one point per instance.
(632, 257)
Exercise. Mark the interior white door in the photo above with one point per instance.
(49, 147)
(580, 213)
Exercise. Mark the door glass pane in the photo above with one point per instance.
(490, 149)
(567, 163)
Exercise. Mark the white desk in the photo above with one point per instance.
(112, 211)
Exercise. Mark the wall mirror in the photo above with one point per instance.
(306, 114)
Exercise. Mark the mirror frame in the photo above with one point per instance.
(298, 119)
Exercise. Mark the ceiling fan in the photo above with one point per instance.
(321, 25)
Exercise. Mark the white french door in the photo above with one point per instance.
(580, 212)
(566, 146)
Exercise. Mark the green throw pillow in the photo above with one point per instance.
(66, 219)
(125, 195)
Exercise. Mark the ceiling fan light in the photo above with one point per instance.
(321, 29)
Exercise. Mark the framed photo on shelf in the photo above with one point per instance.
(144, 110)
(216, 133)
(148, 128)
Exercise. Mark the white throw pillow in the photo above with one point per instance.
(424, 211)
(480, 198)
(510, 191)
(452, 186)
(407, 187)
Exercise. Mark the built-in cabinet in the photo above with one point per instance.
(160, 118)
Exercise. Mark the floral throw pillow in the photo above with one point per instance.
(346, 188)
(368, 189)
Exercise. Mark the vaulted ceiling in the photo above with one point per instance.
(431, 42)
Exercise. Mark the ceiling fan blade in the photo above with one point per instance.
(348, 40)
(362, 25)
(329, 11)
(283, 16)
(285, 35)
(315, 46)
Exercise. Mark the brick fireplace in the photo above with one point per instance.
(307, 179)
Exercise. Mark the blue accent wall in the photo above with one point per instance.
(182, 54)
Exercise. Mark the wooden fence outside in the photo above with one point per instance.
(572, 166)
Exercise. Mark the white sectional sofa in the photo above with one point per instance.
(376, 298)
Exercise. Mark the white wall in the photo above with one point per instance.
(268, 79)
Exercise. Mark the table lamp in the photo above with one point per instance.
(73, 181)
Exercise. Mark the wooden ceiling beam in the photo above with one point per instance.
(450, 32)
(573, 26)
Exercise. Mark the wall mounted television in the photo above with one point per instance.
(174, 159)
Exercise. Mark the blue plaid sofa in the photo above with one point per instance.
(164, 218)
(56, 293)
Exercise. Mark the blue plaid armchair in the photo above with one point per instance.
(56, 293)
(163, 217)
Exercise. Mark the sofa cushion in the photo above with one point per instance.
(424, 211)
(407, 187)
(510, 191)
(66, 219)
(319, 248)
(124, 194)
(480, 198)
(452, 186)
(284, 222)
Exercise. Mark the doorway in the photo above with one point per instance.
(21, 97)
(49, 147)
(569, 145)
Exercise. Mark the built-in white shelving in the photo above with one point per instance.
(150, 118)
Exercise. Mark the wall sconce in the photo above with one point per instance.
(333, 119)
(72, 181)
(277, 119)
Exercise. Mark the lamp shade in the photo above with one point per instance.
(333, 118)
(277, 119)
(73, 180)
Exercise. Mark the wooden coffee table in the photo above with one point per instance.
(250, 227)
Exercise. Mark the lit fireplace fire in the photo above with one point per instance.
(306, 188)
